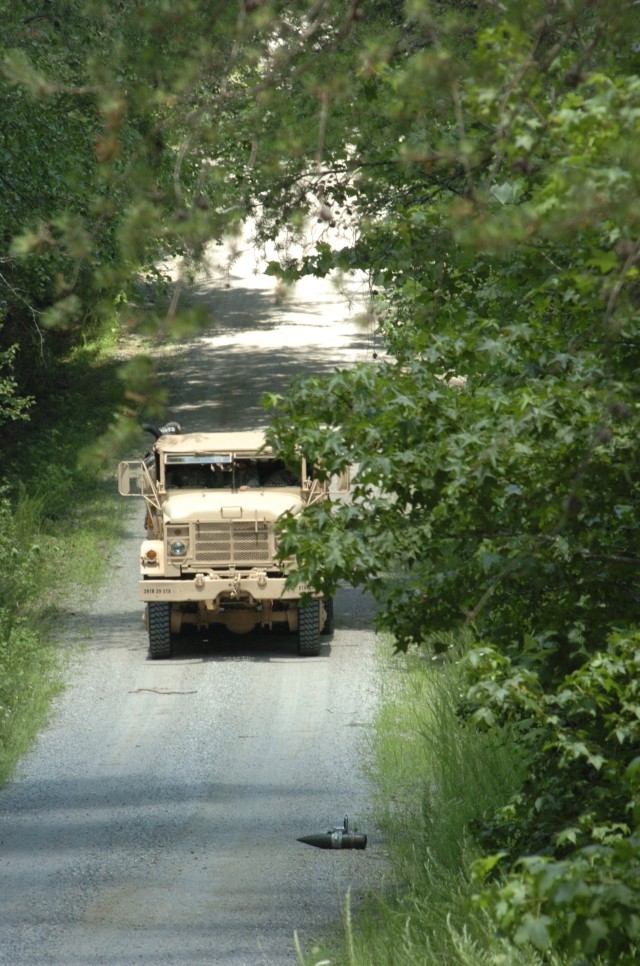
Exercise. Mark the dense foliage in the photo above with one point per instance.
(572, 829)
(486, 155)
(496, 442)
(515, 482)
(131, 133)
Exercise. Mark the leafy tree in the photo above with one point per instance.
(486, 154)
(513, 483)
(497, 469)
(12, 406)
(133, 132)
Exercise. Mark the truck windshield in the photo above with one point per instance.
(226, 472)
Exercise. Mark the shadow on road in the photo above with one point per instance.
(257, 645)
(125, 629)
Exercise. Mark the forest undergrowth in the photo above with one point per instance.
(435, 778)
(59, 519)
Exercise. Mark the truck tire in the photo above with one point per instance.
(328, 624)
(309, 628)
(159, 617)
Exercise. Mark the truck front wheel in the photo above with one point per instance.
(309, 628)
(159, 620)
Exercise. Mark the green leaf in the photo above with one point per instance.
(534, 930)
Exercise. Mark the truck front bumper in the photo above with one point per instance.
(209, 587)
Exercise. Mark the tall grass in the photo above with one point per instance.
(58, 520)
(27, 667)
(435, 777)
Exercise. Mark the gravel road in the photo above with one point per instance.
(156, 819)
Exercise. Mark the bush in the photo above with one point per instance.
(436, 778)
(568, 840)
(28, 663)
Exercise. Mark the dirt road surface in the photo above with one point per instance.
(156, 820)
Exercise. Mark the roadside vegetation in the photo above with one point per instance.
(436, 779)
(59, 519)
(485, 157)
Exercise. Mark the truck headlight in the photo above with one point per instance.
(177, 548)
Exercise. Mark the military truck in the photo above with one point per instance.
(210, 554)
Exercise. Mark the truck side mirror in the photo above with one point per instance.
(130, 478)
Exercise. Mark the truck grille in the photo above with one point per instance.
(243, 543)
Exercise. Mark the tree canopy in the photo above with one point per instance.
(486, 154)
(496, 441)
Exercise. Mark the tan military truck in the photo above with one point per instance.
(210, 556)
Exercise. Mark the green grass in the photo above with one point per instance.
(43, 563)
(435, 777)
(59, 519)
